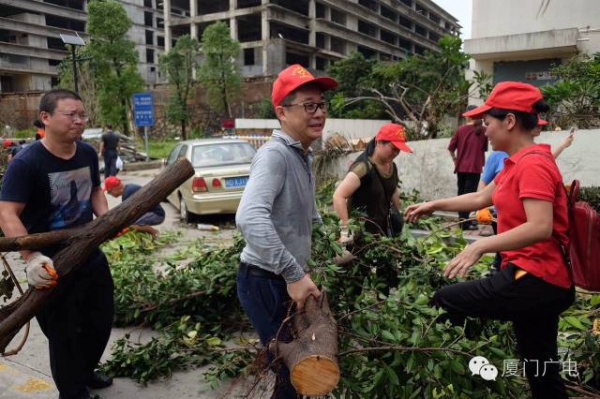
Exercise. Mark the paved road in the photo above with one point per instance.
(27, 374)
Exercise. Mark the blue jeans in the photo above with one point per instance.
(265, 301)
(150, 219)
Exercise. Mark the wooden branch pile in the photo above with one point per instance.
(79, 244)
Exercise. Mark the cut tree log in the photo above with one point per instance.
(312, 357)
(81, 242)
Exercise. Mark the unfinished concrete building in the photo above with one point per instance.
(272, 33)
(276, 33)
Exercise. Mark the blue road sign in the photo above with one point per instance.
(143, 109)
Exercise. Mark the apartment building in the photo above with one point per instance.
(272, 33)
(522, 40)
(275, 33)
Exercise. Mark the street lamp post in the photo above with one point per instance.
(73, 40)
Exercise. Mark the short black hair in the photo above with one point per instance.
(38, 123)
(51, 98)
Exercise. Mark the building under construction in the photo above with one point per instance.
(272, 33)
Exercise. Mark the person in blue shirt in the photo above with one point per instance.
(115, 187)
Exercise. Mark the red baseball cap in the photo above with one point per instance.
(293, 77)
(516, 96)
(542, 122)
(395, 134)
(111, 182)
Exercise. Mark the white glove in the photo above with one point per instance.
(40, 271)
(345, 237)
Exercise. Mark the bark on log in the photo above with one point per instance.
(77, 248)
(312, 357)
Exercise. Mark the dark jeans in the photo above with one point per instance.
(467, 183)
(77, 320)
(110, 163)
(532, 305)
(265, 301)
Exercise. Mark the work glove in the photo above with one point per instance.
(345, 236)
(40, 271)
(484, 216)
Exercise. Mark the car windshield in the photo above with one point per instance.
(222, 154)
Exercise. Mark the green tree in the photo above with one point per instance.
(85, 82)
(422, 89)
(179, 65)
(115, 61)
(575, 98)
(353, 75)
(219, 72)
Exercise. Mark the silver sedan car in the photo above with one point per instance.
(222, 169)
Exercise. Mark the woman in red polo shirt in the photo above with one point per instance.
(533, 287)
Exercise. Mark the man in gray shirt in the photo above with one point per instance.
(278, 209)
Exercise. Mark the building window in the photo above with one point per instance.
(404, 22)
(320, 40)
(338, 17)
(370, 4)
(249, 56)
(150, 56)
(160, 41)
(388, 37)
(408, 3)
(148, 3)
(320, 11)
(148, 19)
(160, 23)
(150, 37)
(419, 30)
(367, 28)
(321, 63)
(388, 13)
(338, 45)
(434, 18)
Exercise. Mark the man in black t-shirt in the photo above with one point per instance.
(109, 147)
(54, 184)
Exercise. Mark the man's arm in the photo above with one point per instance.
(10, 223)
(99, 201)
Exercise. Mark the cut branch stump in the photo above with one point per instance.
(78, 244)
(312, 357)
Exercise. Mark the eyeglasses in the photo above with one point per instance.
(76, 117)
(310, 108)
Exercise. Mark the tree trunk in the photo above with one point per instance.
(312, 357)
(78, 247)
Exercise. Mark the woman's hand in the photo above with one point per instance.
(461, 264)
(415, 211)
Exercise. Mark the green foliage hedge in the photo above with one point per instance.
(392, 345)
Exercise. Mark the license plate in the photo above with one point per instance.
(236, 182)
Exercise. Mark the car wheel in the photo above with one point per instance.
(184, 214)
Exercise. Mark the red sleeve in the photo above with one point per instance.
(453, 142)
(537, 178)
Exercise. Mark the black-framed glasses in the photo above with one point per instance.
(310, 108)
(75, 117)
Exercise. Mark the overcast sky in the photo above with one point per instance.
(460, 9)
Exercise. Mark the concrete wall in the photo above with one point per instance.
(430, 169)
(509, 17)
(349, 128)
